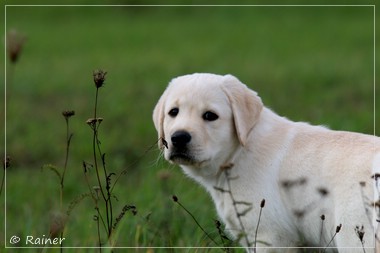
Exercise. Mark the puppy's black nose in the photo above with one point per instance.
(180, 139)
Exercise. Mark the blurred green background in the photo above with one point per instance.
(311, 64)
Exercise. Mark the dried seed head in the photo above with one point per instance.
(99, 77)
(323, 217)
(15, 42)
(91, 121)
(338, 228)
(360, 232)
(262, 204)
(68, 114)
(175, 199)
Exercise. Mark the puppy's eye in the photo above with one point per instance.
(210, 116)
(173, 112)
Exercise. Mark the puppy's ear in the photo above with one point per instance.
(158, 119)
(246, 106)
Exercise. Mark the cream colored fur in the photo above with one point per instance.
(302, 171)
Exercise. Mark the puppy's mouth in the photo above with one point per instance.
(185, 158)
(182, 158)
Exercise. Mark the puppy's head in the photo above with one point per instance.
(202, 118)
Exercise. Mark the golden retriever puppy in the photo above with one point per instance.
(319, 186)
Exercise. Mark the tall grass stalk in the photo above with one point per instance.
(175, 199)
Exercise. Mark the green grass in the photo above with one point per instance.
(312, 64)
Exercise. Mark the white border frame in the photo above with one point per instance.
(6, 239)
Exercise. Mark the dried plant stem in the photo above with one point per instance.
(95, 142)
(175, 199)
(258, 223)
(102, 192)
(322, 227)
(332, 239)
(234, 203)
(225, 240)
(68, 141)
(96, 148)
(103, 181)
(67, 115)
(95, 197)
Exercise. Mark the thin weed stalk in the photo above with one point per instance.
(225, 169)
(323, 217)
(360, 234)
(332, 239)
(57, 224)
(94, 124)
(225, 240)
(262, 204)
(175, 199)
(67, 115)
(102, 195)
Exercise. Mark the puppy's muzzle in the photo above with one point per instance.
(180, 152)
(180, 139)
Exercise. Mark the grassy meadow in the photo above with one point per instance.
(311, 64)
